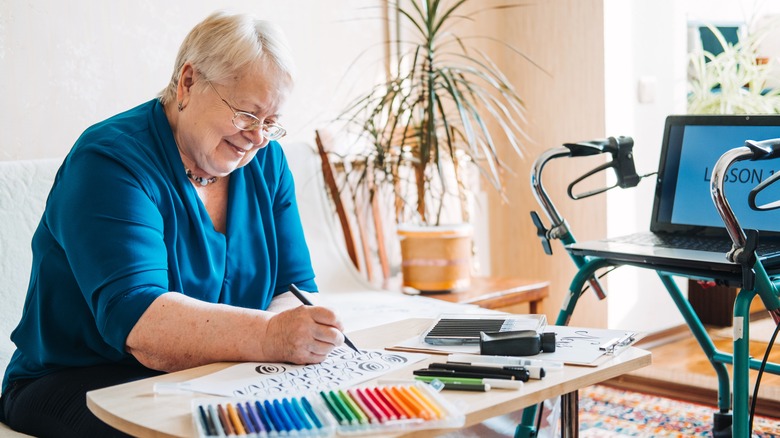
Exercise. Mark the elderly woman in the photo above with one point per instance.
(170, 239)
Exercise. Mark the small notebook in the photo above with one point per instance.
(465, 329)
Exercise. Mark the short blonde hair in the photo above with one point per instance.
(224, 43)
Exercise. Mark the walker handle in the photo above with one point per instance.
(622, 163)
(764, 150)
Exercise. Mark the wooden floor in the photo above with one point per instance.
(681, 370)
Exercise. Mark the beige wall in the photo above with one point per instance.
(565, 37)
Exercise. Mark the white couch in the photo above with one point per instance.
(25, 184)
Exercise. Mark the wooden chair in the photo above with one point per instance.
(358, 207)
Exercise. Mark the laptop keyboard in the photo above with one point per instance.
(698, 243)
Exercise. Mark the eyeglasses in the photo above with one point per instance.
(248, 122)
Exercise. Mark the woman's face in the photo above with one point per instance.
(209, 142)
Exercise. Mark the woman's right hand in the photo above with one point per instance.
(302, 335)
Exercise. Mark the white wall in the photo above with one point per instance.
(65, 65)
(647, 39)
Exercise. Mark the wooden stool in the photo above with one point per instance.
(500, 293)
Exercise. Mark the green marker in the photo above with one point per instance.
(344, 409)
(462, 380)
(334, 409)
(363, 418)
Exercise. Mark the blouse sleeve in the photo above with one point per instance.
(112, 235)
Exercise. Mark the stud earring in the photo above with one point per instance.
(180, 107)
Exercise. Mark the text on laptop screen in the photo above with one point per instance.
(692, 153)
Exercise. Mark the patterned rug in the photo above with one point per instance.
(613, 413)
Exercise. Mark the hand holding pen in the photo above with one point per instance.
(298, 294)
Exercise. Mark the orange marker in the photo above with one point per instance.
(233, 416)
(412, 392)
(419, 409)
(427, 401)
(398, 402)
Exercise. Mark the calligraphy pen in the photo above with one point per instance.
(298, 294)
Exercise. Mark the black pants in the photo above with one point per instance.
(55, 405)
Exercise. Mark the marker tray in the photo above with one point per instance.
(359, 410)
(210, 415)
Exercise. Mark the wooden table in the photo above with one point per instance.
(500, 293)
(135, 409)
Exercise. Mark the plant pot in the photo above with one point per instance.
(436, 258)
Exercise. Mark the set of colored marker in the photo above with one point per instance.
(353, 411)
(290, 417)
(389, 407)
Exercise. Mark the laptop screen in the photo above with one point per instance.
(692, 144)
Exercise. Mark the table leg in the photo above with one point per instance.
(570, 416)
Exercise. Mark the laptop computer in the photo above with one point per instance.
(687, 234)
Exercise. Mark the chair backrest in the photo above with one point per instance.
(332, 265)
(364, 212)
(24, 187)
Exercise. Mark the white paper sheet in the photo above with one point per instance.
(573, 345)
(360, 310)
(343, 368)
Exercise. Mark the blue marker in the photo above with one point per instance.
(288, 424)
(301, 413)
(310, 410)
(288, 408)
(264, 417)
(250, 428)
(274, 417)
(204, 417)
(215, 421)
(253, 415)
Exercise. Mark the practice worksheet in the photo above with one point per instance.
(343, 368)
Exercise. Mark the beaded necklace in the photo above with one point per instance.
(199, 179)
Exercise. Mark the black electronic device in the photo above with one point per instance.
(516, 343)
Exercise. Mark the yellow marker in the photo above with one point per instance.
(432, 397)
(420, 409)
(412, 410)
(426, 401)
(237, 424)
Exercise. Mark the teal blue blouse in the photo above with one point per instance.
(123, 225)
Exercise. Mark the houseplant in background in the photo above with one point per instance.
(442, 116)
(738, 79)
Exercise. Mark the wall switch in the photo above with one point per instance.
(646, 89)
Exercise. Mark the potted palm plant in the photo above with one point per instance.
(445, 113)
